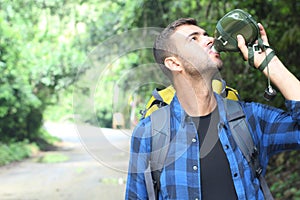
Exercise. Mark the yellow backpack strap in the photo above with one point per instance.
(165, 96)
(232, 94)
(159, 98)
(150, 110)
(219, 87)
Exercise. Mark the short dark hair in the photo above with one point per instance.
(164, 47)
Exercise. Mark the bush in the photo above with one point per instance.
(16, 151)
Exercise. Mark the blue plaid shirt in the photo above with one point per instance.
(273, 130)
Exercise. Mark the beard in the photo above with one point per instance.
(202, 68)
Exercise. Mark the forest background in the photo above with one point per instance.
(50, 48)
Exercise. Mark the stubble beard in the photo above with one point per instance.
(203, 70)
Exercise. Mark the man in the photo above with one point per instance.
(203, 162)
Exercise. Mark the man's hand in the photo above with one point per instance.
(284, 80)
(258, 55)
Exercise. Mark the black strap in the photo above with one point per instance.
(266, 61)
(267, 193)
(251, 56)
(159, 103)
(253, 48)
(259, 47)
(241, 134)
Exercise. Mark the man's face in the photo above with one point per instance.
(194, 47)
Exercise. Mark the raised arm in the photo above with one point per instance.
(280, 76)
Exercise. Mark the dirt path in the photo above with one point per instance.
(95, 167)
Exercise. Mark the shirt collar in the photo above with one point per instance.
(183, 117)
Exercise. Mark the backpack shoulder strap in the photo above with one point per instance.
(242, 137)
(160, 122)
(160, 127)
(239, 128)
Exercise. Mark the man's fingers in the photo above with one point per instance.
(242, 46)
(263, 34)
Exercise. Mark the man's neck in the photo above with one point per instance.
(196, 97)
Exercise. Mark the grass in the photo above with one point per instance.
(53, 158)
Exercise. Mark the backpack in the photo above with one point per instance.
(160, 122)
(162, 97)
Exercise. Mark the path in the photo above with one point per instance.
(95, 169)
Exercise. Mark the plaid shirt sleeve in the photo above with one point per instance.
(294, 108)
(139, 156)
(275, 130)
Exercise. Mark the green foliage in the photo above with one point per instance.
(100, 24)
(45, 141)
(16, 151)
(283, 175)
(18, 103)
(39, 56)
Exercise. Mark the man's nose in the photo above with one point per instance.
(209, 40)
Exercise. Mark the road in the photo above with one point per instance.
(95, 167)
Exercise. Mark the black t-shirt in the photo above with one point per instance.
(216, 179)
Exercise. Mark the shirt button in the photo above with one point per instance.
(194, 140)
(195, 167)
(196, 199)
(226, 146)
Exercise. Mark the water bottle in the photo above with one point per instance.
(232, 24)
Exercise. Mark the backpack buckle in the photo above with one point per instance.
(256, 48)
(254, 153)
(258, 172)
(161, 104)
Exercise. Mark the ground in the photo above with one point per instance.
(90, 163)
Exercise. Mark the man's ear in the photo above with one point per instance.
(173, 64)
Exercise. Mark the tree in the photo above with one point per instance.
(38, 59)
